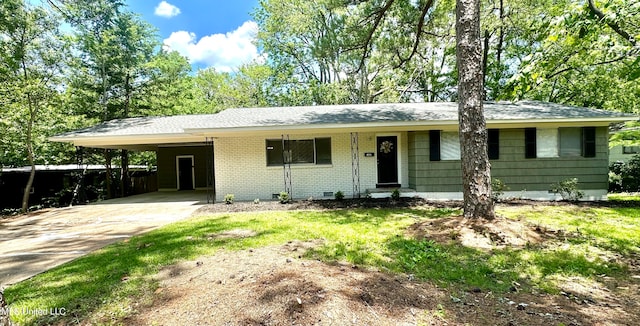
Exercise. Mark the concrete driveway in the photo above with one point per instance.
(34, 243)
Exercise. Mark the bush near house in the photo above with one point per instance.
(395, 194)
(498, 187)
(625, 176)
(567, 189)
(284, 198)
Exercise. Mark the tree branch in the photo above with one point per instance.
(611, 23)
(367, 44)
(419, 27)
(595, 64)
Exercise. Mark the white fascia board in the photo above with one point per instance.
(128, 139)
(446, 125)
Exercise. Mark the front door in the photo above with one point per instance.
(185, 173)
(387, 152)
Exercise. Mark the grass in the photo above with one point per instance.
(104, 286)
(624, 196)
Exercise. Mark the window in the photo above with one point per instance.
(570, 142)
(323, 150)
(547, 142)
(540, 142)
(493, 143)
(443, 146)
(630, 149)
(299, 151)
(563, 142)
(449, 146)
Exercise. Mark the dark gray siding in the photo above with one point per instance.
(512, 168)
(167, 178)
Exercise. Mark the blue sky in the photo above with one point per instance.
(210, 33)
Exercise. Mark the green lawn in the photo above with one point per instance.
(105, 285)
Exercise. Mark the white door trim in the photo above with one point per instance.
(193, 174)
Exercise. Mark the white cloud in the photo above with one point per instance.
(167, 10)
(224, 52)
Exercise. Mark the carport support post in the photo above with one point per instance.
(124, 173)
(79, 195)
(355, 165)
(211, 190)
(286, 164)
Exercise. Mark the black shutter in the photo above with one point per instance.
(493, 143)
(589, 141)
(434, 145)
(530, 146)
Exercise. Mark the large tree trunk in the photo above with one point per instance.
(476, 170)
(32, 173)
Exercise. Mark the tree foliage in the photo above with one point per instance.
(30, 68)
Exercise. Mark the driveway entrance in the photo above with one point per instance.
(36, 242)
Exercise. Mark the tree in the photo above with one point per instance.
(476, 169)
(316, 46)
(29, 70)
(586, 55)
(250, 86)
(114, 48)
(170, 89)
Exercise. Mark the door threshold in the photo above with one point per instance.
(387, 185)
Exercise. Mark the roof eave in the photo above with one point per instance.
(416, 125)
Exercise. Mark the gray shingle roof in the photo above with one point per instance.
(401, 112)
(138, 126)
(336, 115)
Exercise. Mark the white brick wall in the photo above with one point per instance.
(241, 168)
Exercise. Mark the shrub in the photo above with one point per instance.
(339, 195)
(395, 194)
(284, 197)
(497, 189)
(229, 198)
(568, 189)
(625, 176)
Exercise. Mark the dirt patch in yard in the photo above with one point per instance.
(275, 286)
(479, 234)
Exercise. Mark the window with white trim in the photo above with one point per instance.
(449, 146)
(570, 142)
(299, 151)
(547, 142)
(560, 142)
